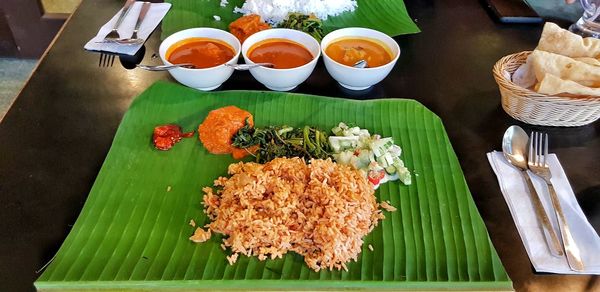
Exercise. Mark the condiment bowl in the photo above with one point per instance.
(359, 78)
(207, 78)
(282, 79)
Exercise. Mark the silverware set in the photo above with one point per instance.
(531, 153)
(514, 147)
(108, 59)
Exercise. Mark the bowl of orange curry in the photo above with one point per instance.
(293, 53)
(343, 48)
(208, 49)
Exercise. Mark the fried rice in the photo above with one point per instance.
(321, 210)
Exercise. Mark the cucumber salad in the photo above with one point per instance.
(376, 156)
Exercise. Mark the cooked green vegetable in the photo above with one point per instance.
(306, 23)
(284, 141)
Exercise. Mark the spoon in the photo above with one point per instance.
(165, 67)
(361, 64)
(128, 41)
(514, 147)
(244, 67)
(241, 67)
(141, 16)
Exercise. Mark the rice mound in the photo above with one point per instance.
(275, 11)
(320, 210)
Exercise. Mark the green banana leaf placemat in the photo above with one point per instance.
(388, 16)
(133, 230)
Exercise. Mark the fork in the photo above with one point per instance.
(537, 162)
(107, 60)
(114, 33)
(134, 39)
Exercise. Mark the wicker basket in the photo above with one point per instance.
(541, 109)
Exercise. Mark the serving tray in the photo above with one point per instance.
(133, 230)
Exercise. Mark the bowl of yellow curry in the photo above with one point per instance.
(344, 49)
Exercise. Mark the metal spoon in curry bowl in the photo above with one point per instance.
(165, 67)
(361, 64)
(244, 67)
(240, 67)
(514, 147)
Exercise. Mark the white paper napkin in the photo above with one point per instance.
(517, 197)
(155, 14)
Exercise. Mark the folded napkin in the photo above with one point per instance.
(155, 14)
(517, 197)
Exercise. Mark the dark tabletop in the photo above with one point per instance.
(57, 133)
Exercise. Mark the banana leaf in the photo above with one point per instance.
(132, 233)
(388, 16)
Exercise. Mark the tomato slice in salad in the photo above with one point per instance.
(375, 176)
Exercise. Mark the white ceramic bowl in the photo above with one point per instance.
(357, 78)
(282, 79)
(207, 78)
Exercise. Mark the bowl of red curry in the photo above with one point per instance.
(208, 49)
(294, 55)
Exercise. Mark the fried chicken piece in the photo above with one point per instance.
(246, 26)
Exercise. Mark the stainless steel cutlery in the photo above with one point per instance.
(514, 148)
(108, 59)
(538, 164)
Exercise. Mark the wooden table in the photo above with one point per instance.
(56, 135)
